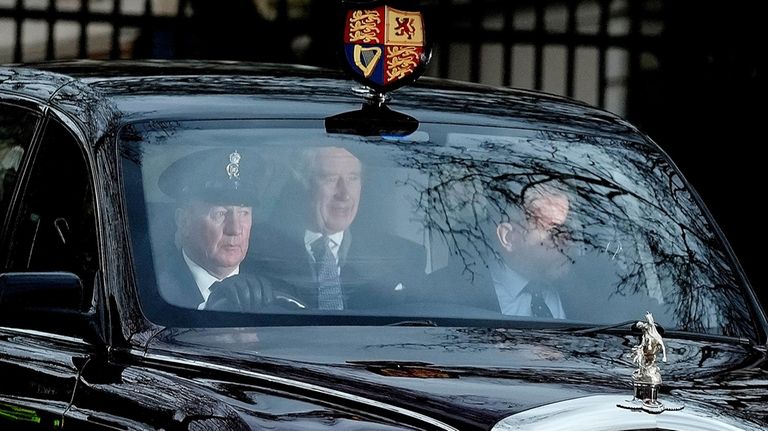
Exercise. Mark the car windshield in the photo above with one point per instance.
(452, 224)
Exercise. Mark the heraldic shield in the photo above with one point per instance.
(384, 47)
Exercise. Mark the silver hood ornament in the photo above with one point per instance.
(646, 380)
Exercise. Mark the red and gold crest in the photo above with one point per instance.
(385, 47)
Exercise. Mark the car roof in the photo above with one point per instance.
(103, 94)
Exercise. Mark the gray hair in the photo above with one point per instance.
(305, 166)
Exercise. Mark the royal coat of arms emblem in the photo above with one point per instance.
(384, 47)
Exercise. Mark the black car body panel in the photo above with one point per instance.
(120, 370)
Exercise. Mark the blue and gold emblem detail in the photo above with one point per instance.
(385, 47)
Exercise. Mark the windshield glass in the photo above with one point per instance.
(254, 223)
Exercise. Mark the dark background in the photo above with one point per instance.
(710, 115)
(696, 84)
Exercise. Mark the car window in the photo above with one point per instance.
(17, 126)
(452, 223)
(55, 227)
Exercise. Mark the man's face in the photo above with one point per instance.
(538, 250)
(336, 185)
(215, 236)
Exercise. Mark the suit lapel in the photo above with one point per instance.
(177, 285)
(346, 243)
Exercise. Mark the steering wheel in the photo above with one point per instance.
(250, 293)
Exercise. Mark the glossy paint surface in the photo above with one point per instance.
(299, 378)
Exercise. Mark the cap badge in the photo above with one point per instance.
(233, 168)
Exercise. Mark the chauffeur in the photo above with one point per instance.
(214, 191)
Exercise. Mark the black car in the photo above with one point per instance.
(492, 255)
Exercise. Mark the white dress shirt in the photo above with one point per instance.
(513, 301)
(203, 278)
(334, 242)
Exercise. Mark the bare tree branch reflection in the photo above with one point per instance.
(630, 208)
(635, 238)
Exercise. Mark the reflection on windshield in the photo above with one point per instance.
(471, 223)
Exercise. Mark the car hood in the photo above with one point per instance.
(474, 377)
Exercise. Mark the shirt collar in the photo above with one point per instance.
(335, 241)
(507, 280)
(203, 278)
(509, 286)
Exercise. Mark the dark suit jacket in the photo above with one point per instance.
(175, 282)
(469, 286)
(244, 292)
(377, 270)
(588, 293)
(458, 284)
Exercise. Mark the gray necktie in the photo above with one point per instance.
(329, 296)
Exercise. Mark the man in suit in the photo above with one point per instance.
(533, 256)
(331, 262)
(543, 275)
(214, 192)
(527, 259)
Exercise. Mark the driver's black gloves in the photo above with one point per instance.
(243, 292)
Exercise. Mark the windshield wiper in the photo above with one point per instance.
(603, 328)
(670, 334)
(697, 336)
(414, 323)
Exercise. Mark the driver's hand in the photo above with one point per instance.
(243, 292)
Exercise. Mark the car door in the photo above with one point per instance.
(49, 229)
